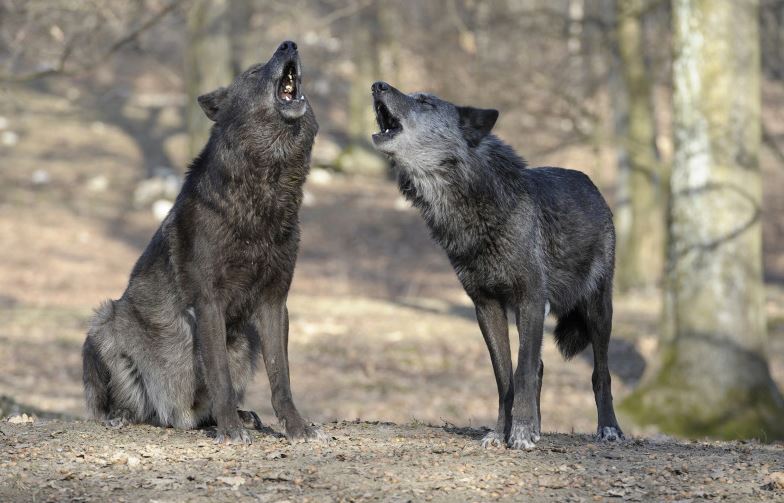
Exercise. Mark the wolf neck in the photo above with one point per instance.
(465, 195)
(282, 161)
(251, 190)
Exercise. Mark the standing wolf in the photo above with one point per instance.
(209, 292)
(532, 240)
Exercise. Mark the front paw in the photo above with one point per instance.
(118, 419)
(233, 435)
(609, 433)
(300, 432)
(493, 439)
(523, 435)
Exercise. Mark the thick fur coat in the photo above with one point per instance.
(208, 295)
(532, 241)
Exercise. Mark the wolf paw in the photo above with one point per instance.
(492, 439)
(239, 436)
(250, 419)
(117, 422)
(305, 433)
(523, 435)
(609, 433)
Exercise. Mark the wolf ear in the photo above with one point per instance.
(212, 102)
(476, 123)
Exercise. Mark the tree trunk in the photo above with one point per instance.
(714, 378)
(359, 156)
(364, 50)
(640, 215)
(208, 63)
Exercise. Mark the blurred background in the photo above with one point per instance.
(98, 121)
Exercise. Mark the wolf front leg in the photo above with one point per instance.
(273, 326)
(526, 429)
(211, 343)
(491, 314)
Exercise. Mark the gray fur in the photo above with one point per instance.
(531, 241)
(208, 295)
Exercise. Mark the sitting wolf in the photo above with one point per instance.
(209, 292)
(531, 240)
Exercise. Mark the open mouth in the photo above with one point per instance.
(288, 86)
(388, 124)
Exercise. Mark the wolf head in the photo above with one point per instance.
(420, 130)
(265, 97)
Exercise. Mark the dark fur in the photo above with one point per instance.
(209, 292)
(518, 239)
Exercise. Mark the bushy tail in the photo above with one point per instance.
(571, 333)
(95, 373)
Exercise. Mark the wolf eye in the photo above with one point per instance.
(424, 100)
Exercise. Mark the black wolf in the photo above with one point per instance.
(209, 292)
(531, 240)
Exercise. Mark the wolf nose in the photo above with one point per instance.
(288, 46)
(379, 87)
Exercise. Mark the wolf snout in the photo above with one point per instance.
(379, 87)
(288, 47)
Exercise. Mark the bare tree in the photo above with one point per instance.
(713, 377)
(61, 38)
(208, 62)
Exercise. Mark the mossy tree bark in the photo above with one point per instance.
(208, 63)
(713, 377)
(640, 214)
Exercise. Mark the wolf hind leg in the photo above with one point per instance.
(113, 384)
(95, 377)
(250, 419)
(599, 321)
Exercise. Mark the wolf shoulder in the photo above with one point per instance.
(566, 189)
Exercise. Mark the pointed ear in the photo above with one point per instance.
(212, 102)
(476, 123)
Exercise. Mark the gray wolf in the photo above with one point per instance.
(531, 241)
(209, 292)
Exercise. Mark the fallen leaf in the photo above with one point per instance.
(234, 482)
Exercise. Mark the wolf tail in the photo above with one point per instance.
(95, 373)
(571, 333)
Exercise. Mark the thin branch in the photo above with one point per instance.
(343, 12)
(61, 69)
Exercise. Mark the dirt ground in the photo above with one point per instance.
(83, 461)
(380, 331)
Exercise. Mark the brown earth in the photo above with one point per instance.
(84, 461)
(380, 331)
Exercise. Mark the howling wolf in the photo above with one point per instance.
(530, 240)
(209, 292)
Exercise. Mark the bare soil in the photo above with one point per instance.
(380, 331)
(84, 461)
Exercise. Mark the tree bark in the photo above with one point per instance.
(208, 63)
(640, 214)
(359, 156)
(714, 378)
